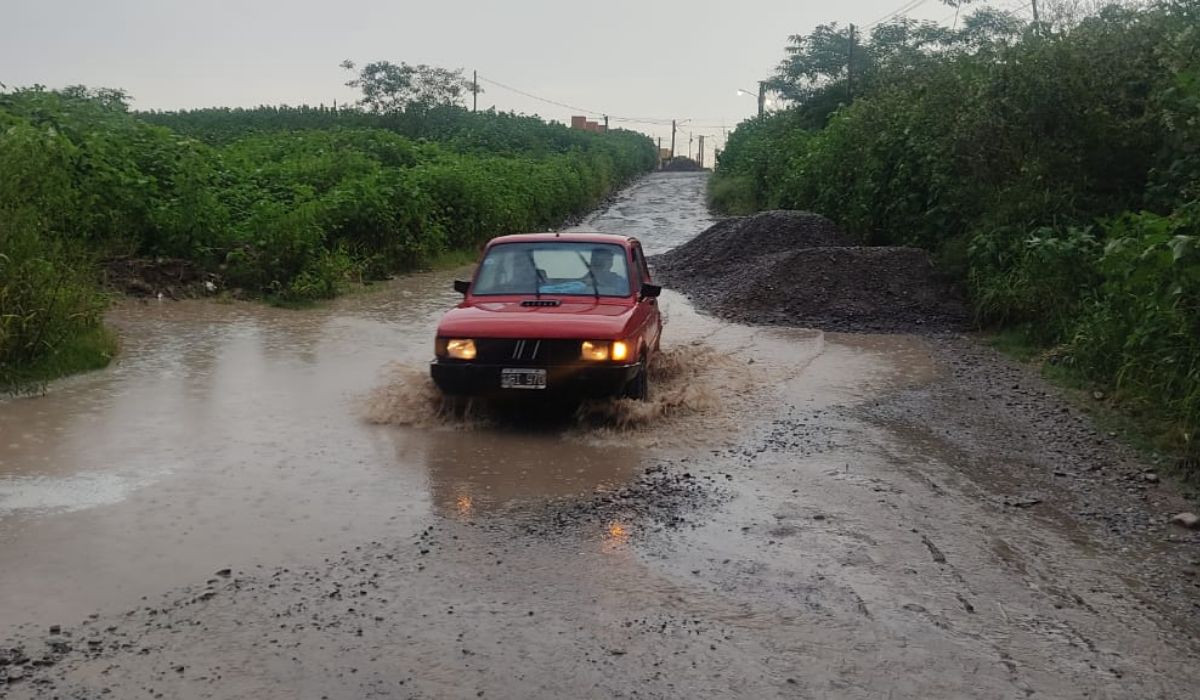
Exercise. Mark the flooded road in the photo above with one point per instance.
(231, 434)
(256, 501)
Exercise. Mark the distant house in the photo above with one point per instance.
(583, 124)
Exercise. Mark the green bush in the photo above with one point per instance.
(288, 203)
(1140, 329)
(51, 310)
(1056, 170)
(1040, 279)
(732, 195)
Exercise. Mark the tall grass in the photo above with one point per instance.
(51, 310)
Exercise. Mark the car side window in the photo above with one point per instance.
(636, 272)
(639, 264)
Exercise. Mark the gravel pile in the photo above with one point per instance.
(797, 269)
(682, 164)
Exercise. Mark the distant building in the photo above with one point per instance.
(583, 124)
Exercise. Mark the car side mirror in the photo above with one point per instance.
(462, 286)
(651, 291)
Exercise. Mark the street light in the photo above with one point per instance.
(762, 95)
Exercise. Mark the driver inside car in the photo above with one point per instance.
(607, 282)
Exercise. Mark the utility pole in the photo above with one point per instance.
(701, 153)
(690, 140)
(762, 96)
(606, 123)
(474, 90)
(1035, 12)
(850, 68)
(672, 138)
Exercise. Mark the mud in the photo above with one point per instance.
(682, 378)
(169, 278)
(1040, 452)
(797, 269)
(842, 515)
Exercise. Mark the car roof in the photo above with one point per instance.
(610, 238)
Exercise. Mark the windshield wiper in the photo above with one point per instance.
(537, 275)
(587, 266)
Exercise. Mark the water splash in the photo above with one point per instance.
(680, 385)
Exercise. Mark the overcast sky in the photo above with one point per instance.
(657, 59)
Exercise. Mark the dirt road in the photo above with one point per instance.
(255, 503)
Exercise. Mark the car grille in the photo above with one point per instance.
(533, 351)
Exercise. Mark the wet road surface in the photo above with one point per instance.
(256, 501)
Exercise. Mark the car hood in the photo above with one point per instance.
(509, 319)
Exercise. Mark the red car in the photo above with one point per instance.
(564, 314)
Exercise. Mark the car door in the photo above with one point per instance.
(651, 320)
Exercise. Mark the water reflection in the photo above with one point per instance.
(472, 472)
(616, 537)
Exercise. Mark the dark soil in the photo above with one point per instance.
(663, 497)
(170, 278)
(682, 164)
(798, 269)
(739, 240)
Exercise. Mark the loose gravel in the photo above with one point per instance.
(797, 269)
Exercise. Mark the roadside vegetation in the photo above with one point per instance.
(1054, 168)
(289, 204)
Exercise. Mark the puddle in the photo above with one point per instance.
(21, 495)
(473, 473)
(233, 434)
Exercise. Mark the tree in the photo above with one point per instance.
(989, 26)
(110, 98)
(816, 66)
(813, 61)
(387, 87)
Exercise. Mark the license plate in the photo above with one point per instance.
(522, 379)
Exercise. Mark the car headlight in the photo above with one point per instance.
(460, 348)
(595, 350)
(602, 350)
(620, 351)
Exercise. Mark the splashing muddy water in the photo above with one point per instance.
(234, 433)
(683, 381)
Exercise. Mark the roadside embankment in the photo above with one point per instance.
(797, 268)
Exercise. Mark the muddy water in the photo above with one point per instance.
(662, 211)
(233, 434)
(823, 556)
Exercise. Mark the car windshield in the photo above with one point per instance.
(554, 267)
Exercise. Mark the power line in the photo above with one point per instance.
(1015, 7)
(904, 9)
(539, 99)
(655, 121)
(631, 120)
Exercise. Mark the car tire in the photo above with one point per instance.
(453, 407)
(638, 388)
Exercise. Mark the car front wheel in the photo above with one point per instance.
(638, 388)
